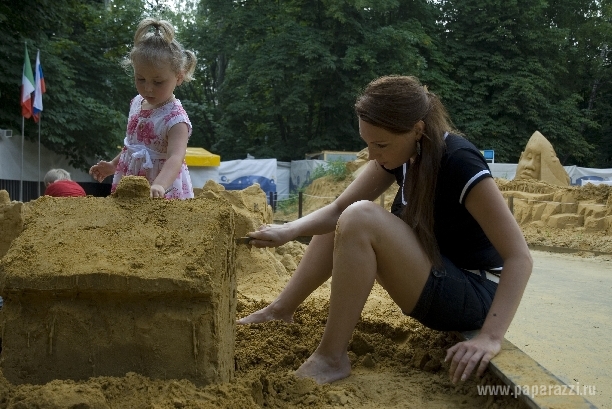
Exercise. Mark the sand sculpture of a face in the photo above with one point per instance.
(539, 162)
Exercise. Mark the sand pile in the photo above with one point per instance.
(397, 363)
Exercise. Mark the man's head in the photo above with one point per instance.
(56, 174)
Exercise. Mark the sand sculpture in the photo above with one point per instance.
(539, 162)
(105, 286)
(541, 204)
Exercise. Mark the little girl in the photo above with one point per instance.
(158, 127)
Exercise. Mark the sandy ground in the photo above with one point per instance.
(397, 363)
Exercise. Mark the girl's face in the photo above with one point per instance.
(390, 150)
(155, 83)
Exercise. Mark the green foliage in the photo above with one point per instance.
(336, 169)
(287, 73)
(87, 96)
(290, 204)
(279, 79)
(511, 76)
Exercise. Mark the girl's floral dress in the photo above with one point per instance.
(146, 144)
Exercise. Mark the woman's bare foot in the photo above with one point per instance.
(269, 313)
(324, 369)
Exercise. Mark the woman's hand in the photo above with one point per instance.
(466, 355)
(101, 170)
(271, 235)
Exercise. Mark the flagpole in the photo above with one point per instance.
(37, 106)
(39, 120)
(22, 143)
(21, 172)
(27, 88)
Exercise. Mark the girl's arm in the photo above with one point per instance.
(102, 169)
(178, 136)
(370, 184)
(486, 204)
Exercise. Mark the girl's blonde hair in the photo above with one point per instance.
(154, 43)
(396, 103)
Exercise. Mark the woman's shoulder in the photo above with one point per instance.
(455, 142)
(460, 151)
(458, 147)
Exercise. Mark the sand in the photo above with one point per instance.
(397, 363)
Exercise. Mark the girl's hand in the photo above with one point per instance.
(271, 235)
(466, 355)
(158, 191)
(101, 170)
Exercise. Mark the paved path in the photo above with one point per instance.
(564, 321)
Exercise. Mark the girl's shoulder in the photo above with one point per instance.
(136, 104)
(137, 100)
(176, 109)
(177, 105)
(176, 114)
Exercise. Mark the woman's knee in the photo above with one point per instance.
(361, 216)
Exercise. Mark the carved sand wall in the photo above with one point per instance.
(106, 286)
(587, 207)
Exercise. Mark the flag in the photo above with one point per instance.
(27, 87)
(40, 88)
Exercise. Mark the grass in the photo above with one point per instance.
(336, 170)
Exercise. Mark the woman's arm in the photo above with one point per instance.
(370, 184)
(178, 136)
(486, 204)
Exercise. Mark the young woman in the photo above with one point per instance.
(441, 253)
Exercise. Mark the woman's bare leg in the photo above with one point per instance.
(369, 242)
(313, 270)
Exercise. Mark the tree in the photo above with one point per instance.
(279, 78)
(82, 43)
(286, 73)
(508, 66)
(588, 26)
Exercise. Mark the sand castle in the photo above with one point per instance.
(106, 286)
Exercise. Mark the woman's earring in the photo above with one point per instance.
(418, 148)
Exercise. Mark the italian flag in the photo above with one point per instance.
(27, 86)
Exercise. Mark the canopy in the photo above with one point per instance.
(201, 157)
